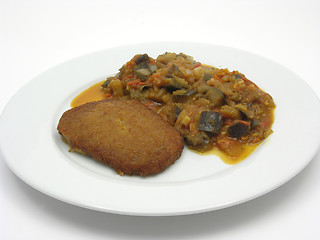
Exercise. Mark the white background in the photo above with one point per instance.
(36, 35)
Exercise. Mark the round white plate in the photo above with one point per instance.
(34, 151)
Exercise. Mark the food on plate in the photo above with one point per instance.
(126, 135)
(212, 108)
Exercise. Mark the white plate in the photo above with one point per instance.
(34, 151)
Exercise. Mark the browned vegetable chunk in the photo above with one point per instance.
(210, 121)
(238, 129)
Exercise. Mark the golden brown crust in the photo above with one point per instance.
(126, 135)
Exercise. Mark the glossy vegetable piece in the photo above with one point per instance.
(142, 58)
(167, 57)
(183, 95)
(176, 71)
(238, 76)
(116, 87)
(177, 111)
(213, 94)
(254, 123)
(109, 79)
(199, 139)
(107, 82)
(173, 82)
(143, 73)
(238, 129)
(210, 121)
(143, 69)
(207, 76)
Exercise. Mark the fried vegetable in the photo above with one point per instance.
(152, 67)
(121, 70)
(173, 82)
(238, 129)
(244, 109)
(116, 87)
(210, 121)
(230, 112)
(176, 71)
(177, 111)
(207, 76)
(254, 123)
(142, 58)
(107, 82)
(183, 95)
(213, 94)
(238, 76)
(143, 67)
(165, 58)
(143, 73)
(199, 139)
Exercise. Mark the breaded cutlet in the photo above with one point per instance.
(126, 135)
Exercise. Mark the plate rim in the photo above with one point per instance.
(141, 213)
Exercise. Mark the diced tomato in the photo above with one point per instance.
(136, 83)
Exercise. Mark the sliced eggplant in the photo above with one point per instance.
(142, 58)
(183, 95)
(143, 70)
(238, 129)
(121, 70)
(106, 83)
(177, 111)
(254, 123)
(210, 121)
(245, 110)
(199, 139)
(152, 67)
(173, 82)
(238, 76)
(176, 71)
(207, 77)
(142, 73)
(213, 94)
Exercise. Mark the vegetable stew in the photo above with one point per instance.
(209, 106)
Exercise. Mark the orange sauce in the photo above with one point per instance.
(93, 93)
(246, 151)
(96, 93)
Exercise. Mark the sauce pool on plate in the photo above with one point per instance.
(93, 93)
